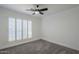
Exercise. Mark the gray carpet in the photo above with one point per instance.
(38, 47)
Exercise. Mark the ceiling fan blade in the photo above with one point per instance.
(44, 9)
(33, 13)
(41, 13)
(30, 9)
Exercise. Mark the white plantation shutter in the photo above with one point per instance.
(19, 29)
(11, 29)
(24, 29)
(29, 29)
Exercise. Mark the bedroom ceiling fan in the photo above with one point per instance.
(37, 10)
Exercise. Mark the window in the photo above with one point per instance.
(29, 29)
(11, 29)
(25, 33)
(19, 29)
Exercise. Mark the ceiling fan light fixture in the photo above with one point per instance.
(36, 12)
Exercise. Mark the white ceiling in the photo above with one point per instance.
(52, 8)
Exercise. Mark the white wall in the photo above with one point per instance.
(4, 14)
(62, 28)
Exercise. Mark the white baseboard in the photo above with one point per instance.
(11, 44)
(59, 43)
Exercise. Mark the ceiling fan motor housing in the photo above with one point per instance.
(40, 11)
